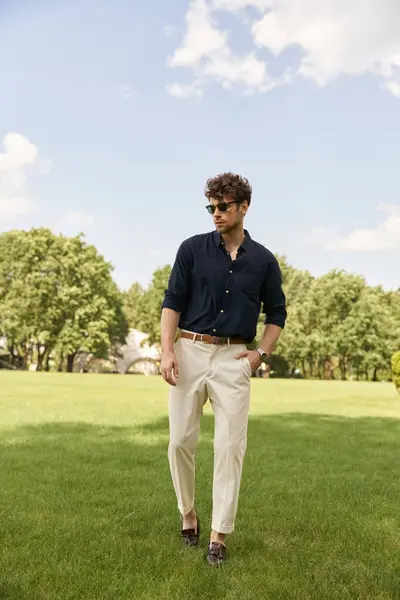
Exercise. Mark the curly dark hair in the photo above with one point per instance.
(228, 184)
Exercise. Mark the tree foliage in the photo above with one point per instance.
(57, 296)
(396, 369)
(337, 326)
(340, 326)
(131, 304)
(149, 305)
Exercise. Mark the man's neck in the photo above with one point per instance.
(233, 239)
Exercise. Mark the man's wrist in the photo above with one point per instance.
(167, 349)
(264, 354)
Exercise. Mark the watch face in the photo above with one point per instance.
(264, 356)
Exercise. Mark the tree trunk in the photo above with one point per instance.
(311, 366)
(343, 369)
(12, 355)
(47, 359)
(40, 355)
(60, 363)
(332, 369)
(303, 366)
(375, 374)
(328, 369)
(70, 362)
(25, 355)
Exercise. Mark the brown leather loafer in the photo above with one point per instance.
(216, 554)
(191, 537)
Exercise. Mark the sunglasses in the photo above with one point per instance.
(222, 206)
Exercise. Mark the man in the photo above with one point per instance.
(218, 284)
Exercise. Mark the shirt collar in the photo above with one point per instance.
(245, 244)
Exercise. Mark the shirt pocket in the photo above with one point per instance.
(249, 280)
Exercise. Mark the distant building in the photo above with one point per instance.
(136, 351)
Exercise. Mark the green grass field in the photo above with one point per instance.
(88, 511)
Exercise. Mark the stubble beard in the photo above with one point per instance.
(229, 228)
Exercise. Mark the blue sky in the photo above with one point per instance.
(113, 115)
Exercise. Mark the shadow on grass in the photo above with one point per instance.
(89, 512)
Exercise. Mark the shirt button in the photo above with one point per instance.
(214, 330)
(230, 271)
(222, 311)
(227, 291)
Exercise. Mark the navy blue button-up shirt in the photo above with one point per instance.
(223, 297)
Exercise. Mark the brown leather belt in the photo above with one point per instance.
(210, 339)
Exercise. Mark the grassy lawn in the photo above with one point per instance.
(87, 509)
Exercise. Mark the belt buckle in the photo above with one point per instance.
(217, 340)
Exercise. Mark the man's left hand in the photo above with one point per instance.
(254, 358)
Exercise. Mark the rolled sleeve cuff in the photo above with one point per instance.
(173, 302)
(278, 318)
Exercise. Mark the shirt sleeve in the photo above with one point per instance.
(176, 296)
(272, 295)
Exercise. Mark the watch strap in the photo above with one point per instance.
(263, 354)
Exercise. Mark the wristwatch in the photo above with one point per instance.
(264, 356)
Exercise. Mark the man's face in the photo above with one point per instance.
(230, 219)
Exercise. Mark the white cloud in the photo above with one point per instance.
(192, 90)
(239, 5)
(13, 206)
(79, 219)
(383, 237)
(206, 50)
(394, 88)
(18, 157)
(333, 37)
(202, 37)
(19, 152)
(247, 70)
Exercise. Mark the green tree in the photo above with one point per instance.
(149, 305)
(395, 363)
(368, 335)
(332, 299)
(292, 343)
(131, 304)
(56, 293)
(31, 316)
(92, 304)
(291, 346)
(295, 282)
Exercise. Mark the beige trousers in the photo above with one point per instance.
(209, 371)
